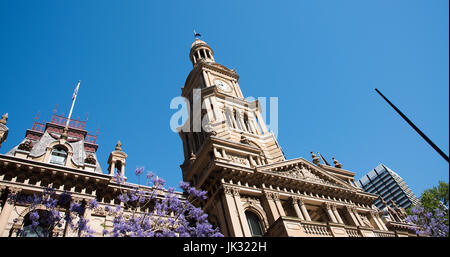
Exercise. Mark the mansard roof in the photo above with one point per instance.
(42, 136)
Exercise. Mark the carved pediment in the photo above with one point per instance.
(304, 174)
(308, 173)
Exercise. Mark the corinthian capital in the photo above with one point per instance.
(327, 206)
(301, 201)
(227, 190)
(294, 199)
(276, 196)
(268, 195)
(14, 190)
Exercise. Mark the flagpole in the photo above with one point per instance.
(73, 103)
(435, 147)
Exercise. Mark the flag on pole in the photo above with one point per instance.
(74, 96)
(75, 92)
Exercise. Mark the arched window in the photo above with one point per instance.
(118, 167)
(59, 155)
(41, 230)
(254, 223)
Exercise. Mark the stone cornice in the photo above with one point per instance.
(19, 162)
(336, 170)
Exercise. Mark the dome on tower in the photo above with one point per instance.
(201, 52)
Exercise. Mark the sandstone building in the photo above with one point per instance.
(252, 189)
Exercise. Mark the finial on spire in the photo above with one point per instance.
(315, 159)
(337, 164)
(119, 146)
(4, 119)
(196, 34)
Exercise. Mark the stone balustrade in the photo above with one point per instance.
(352, 231)
(316, 229)
(384, 233)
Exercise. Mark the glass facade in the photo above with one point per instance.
(389, 185)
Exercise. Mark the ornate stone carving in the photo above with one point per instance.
(90, 159)
(228, 190)
(327, 206)
(336, 163)
(118, 146)
(301, 201)
(276, 196)
(244, 139)
(294, 200)
(268, 195)
(238, 159)
(304, 174)
(26, 146)
(315, 159)
(334, 207)
(14, 190)
(236, 191)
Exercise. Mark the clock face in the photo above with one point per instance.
(222, 85)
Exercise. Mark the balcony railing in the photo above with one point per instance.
(384, 233)
(316, 229)
(352, 231)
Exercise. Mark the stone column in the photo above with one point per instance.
(2, 191)
(232, 214)
(261, 122)
(252, 120)
(350, 212)
(242, 218)
(7, 209)
(270, 207)
(221, 216)
(297, 208)
(276, 198)
(113, 166)
(336, 213)
(216, 109)
(330, 212)
(358, 217)
(373, 215)
(209, 110)
(240, 117)
(377, 216)
(304, 210)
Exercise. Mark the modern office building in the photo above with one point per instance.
(389, 185)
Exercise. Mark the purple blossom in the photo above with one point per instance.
(139, 171)
(182, 218)
(157, 181)
(93, 204)
(430, 223)
(150, 174)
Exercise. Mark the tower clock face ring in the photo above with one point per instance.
(222, 85)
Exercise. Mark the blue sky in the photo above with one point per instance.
(322, 59)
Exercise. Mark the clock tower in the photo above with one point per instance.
(232, 133)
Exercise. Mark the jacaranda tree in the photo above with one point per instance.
(430, 215)
(168, 213)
